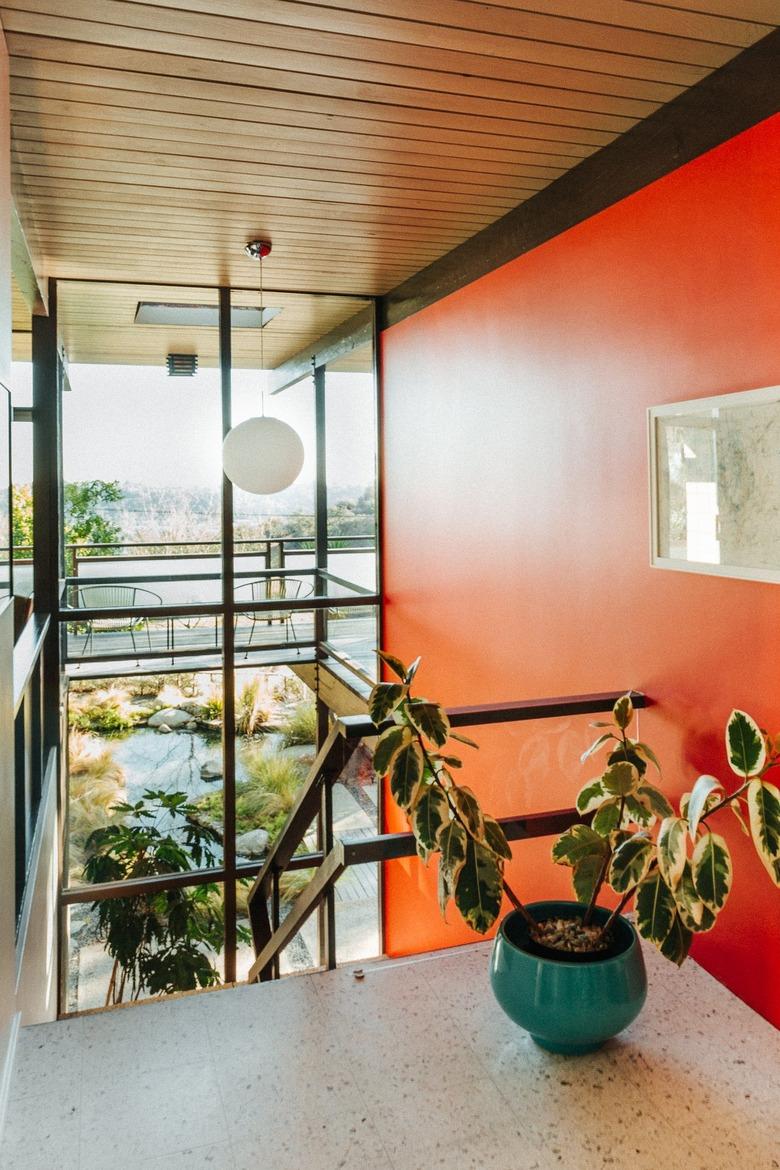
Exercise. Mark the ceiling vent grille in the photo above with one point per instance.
(182, 365)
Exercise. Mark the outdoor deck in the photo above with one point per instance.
(414, 1065)
(353, 636)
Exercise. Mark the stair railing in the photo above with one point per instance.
(270, 933)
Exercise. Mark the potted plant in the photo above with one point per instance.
(572, 973)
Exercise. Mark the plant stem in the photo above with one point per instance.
(722, 803)
(597, 888)
(513, 898)
(608, 856)
(617, 911)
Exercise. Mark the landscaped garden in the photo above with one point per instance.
(145, 796)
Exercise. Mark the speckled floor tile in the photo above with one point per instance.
(42, 1131)
(414, 1065)
(331, 1143)
(145, 1115)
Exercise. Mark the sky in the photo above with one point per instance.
(137, 425)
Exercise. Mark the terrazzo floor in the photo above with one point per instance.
(412, 1067)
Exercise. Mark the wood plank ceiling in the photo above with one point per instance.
(151, 140)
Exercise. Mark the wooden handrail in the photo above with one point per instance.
(342, 741)
(305, 904)
(512, 712)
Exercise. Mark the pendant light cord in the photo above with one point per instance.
(262, 339)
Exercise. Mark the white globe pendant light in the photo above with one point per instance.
(262, 455)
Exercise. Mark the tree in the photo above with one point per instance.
(22, 521)
(159, 942)
(84, 521)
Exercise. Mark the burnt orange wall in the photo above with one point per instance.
(516, 511)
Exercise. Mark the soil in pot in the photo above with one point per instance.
(566, 938)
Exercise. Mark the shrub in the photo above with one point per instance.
(96, 785)
(106, 712)
(250, 715)
(159, 942)
(265, 798)
(301, 726)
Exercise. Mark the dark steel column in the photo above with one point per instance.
(327, 917)
(47, 503)
(228, 656)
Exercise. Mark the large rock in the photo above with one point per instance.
(211, 770)
(172, 717)
(252, 844)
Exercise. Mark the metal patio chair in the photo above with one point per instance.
(116, 597)
(273, 589)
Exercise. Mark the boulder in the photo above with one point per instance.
(164, 729)
(191, 725)
(253, 844)
(211, 770)
(171, 716)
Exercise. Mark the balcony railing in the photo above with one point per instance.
(154, 600)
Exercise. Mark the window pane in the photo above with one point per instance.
(106, 966)
(141, 443)
(153, 740)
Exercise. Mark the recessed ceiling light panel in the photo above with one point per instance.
(202, 316)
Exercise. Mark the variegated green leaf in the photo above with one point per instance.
(630, 863)
(655, 908)
(704, 788)
(463, 739)
(711, 868)
(737, 811)
(479, 888)
(623, 712)
(672, 850)
(468, 807)
(383, 700)
(452, 843)
(645, 750)
(685, 801)
(576, 843)
(430, 720)
(591, 796)
(621, 778)
(677, 942)
(695, 915)
(446, 886)
(594, 747)
(495, 838)
(607, 817)
(431, 814)
(745, 745)
(637, 811)
(626, 755)
(584, 876)
(387, 745)
(412, 670)
(406, 773)
(764, 810)
(655, 801)
(451, 761)
(395, 664)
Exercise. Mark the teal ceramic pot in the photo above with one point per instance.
(568, 1006)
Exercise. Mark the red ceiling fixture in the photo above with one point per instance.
(258, 249)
